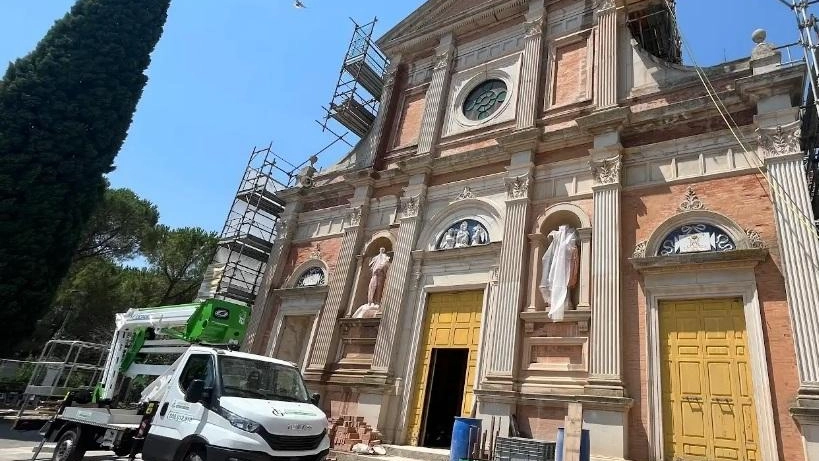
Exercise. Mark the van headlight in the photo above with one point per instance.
(238, 422)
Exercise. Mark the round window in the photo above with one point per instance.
(485, 99)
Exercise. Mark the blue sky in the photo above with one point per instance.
(231, 74)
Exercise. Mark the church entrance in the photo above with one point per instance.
(448, 354)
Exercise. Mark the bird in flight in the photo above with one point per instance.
(299, 4)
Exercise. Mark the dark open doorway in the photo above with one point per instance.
(444, 395)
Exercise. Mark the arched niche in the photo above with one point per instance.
(310, 273)
(551, 219)
(696, 231)
(381, 239)
(479, 211)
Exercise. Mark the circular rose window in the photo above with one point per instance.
(485, 99)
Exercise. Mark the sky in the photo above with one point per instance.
(228, 75)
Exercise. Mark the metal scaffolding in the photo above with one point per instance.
(655, 29)
(355, 100)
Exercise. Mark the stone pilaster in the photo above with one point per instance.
(799, 246)
(412, 210)
(340, 279)
(530, 69)
(374, 136)
(436, 95)
(505, 318)
(285, 229)
(605, 374)
(537, 245)
(605, 63)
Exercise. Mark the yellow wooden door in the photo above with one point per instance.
(708, 408)
(452, 320)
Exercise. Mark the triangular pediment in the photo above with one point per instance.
(438, 16)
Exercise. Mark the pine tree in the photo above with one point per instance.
(65, 110)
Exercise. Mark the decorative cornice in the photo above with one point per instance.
(517, 187)
(640, 250)
(691, 202)
(465, 194)
(606, 171)
(781, 140)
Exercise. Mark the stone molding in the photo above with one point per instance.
(465, 194)
(691, 202)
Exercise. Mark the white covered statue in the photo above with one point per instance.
(560, 269)
(379, 264)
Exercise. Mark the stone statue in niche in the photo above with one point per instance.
(479, 236)
(561, 267)
(379, 265)
(462, 237)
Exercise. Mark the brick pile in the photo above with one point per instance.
(347, 431)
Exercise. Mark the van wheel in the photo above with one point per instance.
(194, 454)
(68, 447)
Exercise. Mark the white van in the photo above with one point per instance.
(211, 405)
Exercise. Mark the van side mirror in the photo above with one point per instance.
(196, 391)
(315, 399)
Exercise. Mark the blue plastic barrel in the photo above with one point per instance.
(559, 445)
(461, 443)
(585, 440)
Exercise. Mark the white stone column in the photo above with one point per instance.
(412, 206)
(583, 299)
(530, 68)
(605, 374)
(285, 229)
(340, 280)
(505, 318)
(436, 95)
(605, 52)
(799, 246)
(374, 136)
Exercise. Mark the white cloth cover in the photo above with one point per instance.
(557, 268)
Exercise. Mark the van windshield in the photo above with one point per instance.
(257, 379)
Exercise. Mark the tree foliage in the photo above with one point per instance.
(64, 113)
(180, 256)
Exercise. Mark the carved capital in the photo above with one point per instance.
(517, 187)
(780, 141)
(354, 216)
(389, 74)
(533, 27)
(604, 5)
(690, 202)
(606, 171)
(442, 60)
(411, 206)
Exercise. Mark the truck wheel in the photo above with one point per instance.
(68, 447)
(194, 454)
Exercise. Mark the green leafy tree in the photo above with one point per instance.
(64, 113)
(117, 227)
(180, 256)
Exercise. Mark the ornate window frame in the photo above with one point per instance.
(481, 210)
(302, 269)
(473, 83)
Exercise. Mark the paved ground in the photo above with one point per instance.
(17, 446)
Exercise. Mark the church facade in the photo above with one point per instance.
(548, 219)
